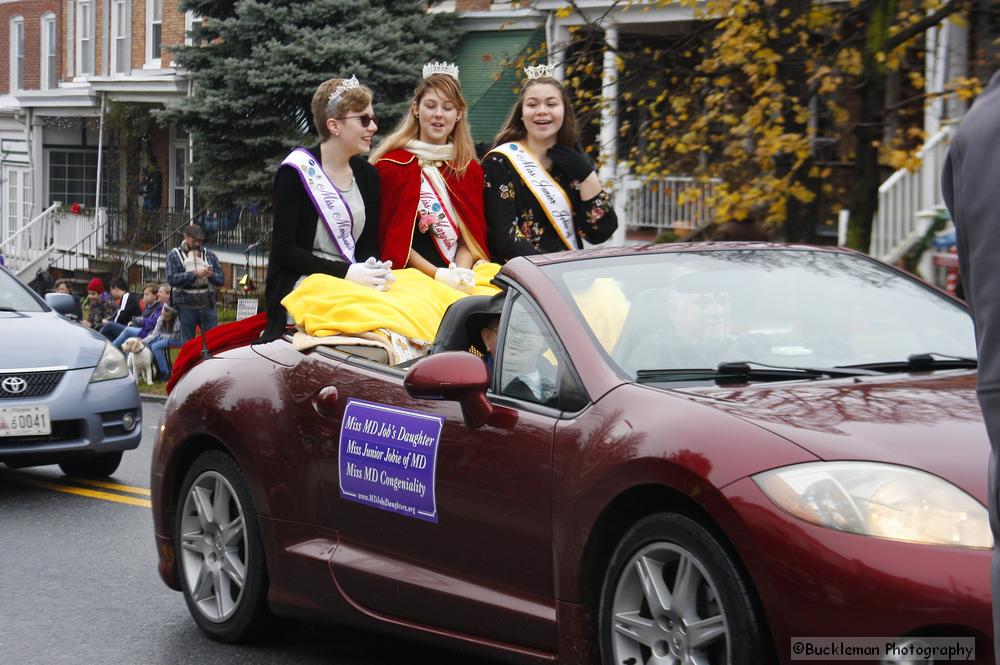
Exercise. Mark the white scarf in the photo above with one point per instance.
(435, 203)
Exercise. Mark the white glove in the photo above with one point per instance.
(462, 279)
(371, 273)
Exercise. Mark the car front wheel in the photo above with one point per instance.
(673, 595)
(220, 555)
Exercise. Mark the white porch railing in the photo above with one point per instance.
(79, 239)
(657, 202)
(896, 225)
(56, 230)
(31, 242)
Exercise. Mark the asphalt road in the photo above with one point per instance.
(78, 585)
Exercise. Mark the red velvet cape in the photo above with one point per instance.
(399, 173)
(218, 339)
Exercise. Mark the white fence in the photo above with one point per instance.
(905, 194)
(657, 202)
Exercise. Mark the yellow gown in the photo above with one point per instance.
(413, 307)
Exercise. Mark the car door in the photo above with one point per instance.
(469, 547)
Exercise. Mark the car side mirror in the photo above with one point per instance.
(453, 375)
(62, 303)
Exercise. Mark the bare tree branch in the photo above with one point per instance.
(923, 24)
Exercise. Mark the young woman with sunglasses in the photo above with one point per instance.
(327, 203)
(432, 184)
(542, 193)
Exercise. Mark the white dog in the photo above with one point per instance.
(139, 359)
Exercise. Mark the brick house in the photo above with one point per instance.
(75, 98)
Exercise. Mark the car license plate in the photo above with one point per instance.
(24, 420)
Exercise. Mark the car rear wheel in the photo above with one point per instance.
(672, 594)
(96, 466)
(220, 554)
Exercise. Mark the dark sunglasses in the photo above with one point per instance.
(366, 120)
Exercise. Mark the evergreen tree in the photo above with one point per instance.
(258, 63)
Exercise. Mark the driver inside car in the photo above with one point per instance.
(526, 370)
(701, 322)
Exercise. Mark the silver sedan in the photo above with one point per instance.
(66, 395)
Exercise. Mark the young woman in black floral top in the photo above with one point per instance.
(542, 193)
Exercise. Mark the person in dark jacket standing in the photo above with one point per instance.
(327, 203)
(969, 182)
(193, 272)
(151, 186)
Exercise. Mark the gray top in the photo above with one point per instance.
(323, 245)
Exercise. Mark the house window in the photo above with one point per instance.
(17, 203)
(120, 21)
(154, 31)
(178, 189)
(73, 177)
(70, 35)
(85, 37)
(17, 53)
(192, 29)
(49, 75)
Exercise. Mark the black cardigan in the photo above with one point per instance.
(295, 220)
(130, 312)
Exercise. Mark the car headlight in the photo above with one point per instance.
(110, 366)
(880, 500)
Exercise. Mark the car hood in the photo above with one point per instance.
(928, 421)
(46, 339)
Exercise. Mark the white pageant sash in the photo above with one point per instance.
(545, 189)
(435, 210)
(327, 199)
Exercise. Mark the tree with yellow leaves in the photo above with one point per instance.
(798, 107)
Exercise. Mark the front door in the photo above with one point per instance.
(468, 548)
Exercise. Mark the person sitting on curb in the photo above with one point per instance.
(127, 310)
(166, 334)
(97, 306)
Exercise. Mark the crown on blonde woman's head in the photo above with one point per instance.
(538, 71)
(342, 87)
(441, 68)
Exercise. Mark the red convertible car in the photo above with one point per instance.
(673, 454)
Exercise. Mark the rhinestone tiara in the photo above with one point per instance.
(341, 88)
(538, 71)
(441, 68)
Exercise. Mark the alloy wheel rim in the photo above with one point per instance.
(667, 610)
(213, 547)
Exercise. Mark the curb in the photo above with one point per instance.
(149, 397)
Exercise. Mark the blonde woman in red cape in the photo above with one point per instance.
(432, 185)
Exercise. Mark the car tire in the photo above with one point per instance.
(646, 609)
(220, 556)
(95, 466)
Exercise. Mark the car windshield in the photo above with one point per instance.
(782, 307)
(15, 296)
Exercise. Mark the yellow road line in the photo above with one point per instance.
(78, 491)
(141, 491)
